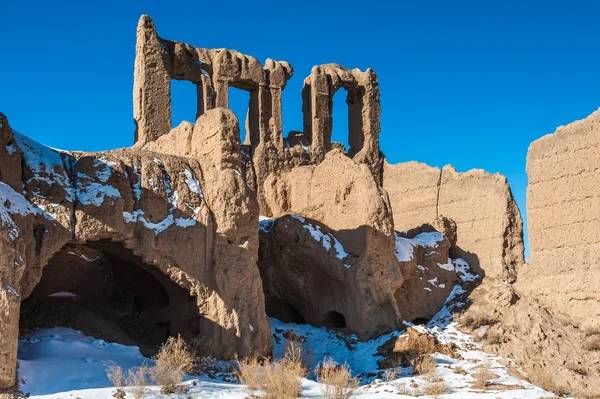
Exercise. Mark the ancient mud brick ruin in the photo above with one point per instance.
(563, 199)
(224, 234)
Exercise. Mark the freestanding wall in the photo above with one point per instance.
(563, 208)
(488, 223)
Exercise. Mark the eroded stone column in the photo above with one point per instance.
(152, 84)
(367, 137)
(278, 73)
(320, 113)
(10, 304)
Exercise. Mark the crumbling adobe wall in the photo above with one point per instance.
(563, 199)
(146, 202)
(489, 225)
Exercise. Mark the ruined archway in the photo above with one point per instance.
(104, 290)
(303, 279)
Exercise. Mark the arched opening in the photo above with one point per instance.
(184, 102)
(339, 116)
(239, 103)
(334, 319)
(105, 291)
(283, 311)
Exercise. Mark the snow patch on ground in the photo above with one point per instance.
(62, 363)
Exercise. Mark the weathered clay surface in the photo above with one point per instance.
(562, 206)
(488, 222)
(146, 202)
(547, 347)
(310, 274)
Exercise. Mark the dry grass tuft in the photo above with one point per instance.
(407, 391)
(251, 374)
(593, 343)
(542, 379)
(424, 365)
(293, 352)
(282, 380)
(173, 361)
(474, 320)
(278, 380)
(136, 378)
(336, 381)
(459, 370)
(577, 368)
(116, 376)
(483, 376)
(436, 388)
(390, 375)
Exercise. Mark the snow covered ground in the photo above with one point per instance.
(61, 363)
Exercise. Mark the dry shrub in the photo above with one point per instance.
(538, 376)
(436, 388)
(459, 370)
(336, 381)
(483, 376)
(116, 376)
(250, 373)
(278, 380)
(407, 391)
(593, 343)
(136, 378)
(390, 375)
(293, 352)
(282, 380)
(577, 368)
(424, 365)
(474, 320)
(172, 362)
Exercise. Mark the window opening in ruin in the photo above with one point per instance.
(339, 116)
(184, 102)
(239, 103)
(106, 292)
(334, 319)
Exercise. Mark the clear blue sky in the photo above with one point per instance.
(470, 83)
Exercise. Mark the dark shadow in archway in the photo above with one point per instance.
(104, 291)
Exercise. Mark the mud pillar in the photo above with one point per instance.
(10, 304)
(152, 84)
(206, 95)
(320, 111)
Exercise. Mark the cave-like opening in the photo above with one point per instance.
(103, 290)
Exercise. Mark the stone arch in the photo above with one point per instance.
(213, 71)
(363, 110)
(102, 289)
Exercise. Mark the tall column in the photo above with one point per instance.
(152, 84)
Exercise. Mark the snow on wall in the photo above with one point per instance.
(404, 246)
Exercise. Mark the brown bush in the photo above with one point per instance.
(136, 379)
(593, 343)
(116, 376)
(336, 381)
(542, 379)
(390, 375)
(424, 365)
(483, 376)
(474, 320)
(173, 361)
(282, 380)
(250, 373)
(436, 388)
